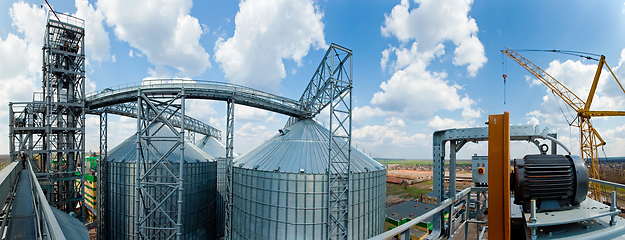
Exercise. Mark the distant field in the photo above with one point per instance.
(417, 162)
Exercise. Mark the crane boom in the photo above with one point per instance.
(590, 140)
(554, 85)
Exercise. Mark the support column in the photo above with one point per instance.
(102, 177)
(138, 161)
(452, 184)
(229, 158)
(181, 169)
(499, 176)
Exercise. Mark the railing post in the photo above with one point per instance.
(613, 208)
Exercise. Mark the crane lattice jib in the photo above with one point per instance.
(554, 85)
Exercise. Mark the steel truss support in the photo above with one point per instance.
(340, 93)
(332, 85)
(192, 125)
(229, 158)
(102, 169)
(159, 182)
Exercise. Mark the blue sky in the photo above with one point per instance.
(419, 66)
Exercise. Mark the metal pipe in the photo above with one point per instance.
(482, 234)
(466, 215)
(533, 217)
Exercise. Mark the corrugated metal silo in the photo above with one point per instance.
(280, 188)
(217, 149)
(199, 189)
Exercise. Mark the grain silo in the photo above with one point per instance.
(217, 149)
(199, 189)
(280, 188)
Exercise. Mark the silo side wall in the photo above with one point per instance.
(200, 181)
(276, 205)
(367, 204)
(221, 195)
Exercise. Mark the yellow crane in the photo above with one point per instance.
(590, 140)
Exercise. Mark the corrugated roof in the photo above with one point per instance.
(304, 146)
(127, 151)
(213, 147)
(403, 210)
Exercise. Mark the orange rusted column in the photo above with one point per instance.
(499, 176)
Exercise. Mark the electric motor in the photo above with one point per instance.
(556, 182)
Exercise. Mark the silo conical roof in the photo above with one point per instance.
(213, 147)
(301, 147)
(127, 151)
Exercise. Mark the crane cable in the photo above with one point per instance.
(586, 55)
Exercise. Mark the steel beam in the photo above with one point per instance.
(499, 176)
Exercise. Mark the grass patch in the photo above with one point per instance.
(405, 191)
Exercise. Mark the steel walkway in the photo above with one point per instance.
(194, 89)
(22, 223)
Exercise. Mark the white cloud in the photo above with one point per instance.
(30, 21)
(162, 30)
(21, 61)
(266, 32)
(130, 53)
(384, 59)
(417, 93)
(533, 121)
(438, 123)
(413, 91)
(247, 114)
(360, 115)
(96, 40)
(388, 134)
(433, 22)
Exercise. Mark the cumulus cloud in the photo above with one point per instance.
(21, 61)
(162, 30)
(388, 134)
(432, 22)
(360, 115)
(417, 93)
(96, 38)
(266, 32)
(438, 123)
(413, 91)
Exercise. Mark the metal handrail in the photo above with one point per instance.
(611, 184)
(44, 211)
(406, 226)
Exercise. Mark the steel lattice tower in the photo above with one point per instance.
(64, 97)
